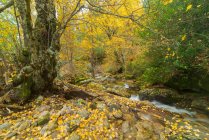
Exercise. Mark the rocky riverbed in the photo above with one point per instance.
(93, 114)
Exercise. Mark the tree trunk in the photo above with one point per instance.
(40, 46)
(43, 58)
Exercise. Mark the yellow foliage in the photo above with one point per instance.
(189, 7)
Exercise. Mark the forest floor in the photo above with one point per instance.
(81, 113)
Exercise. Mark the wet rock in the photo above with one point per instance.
(74, 136)
(200, 103)
(24, 125)
(164, 95)
(84, 113)
(125, 127)
(120, 91)
(5, 126)
(44, 118)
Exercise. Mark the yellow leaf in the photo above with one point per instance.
(198, 6)
(189, 7)
(169, 49)
(183, 37)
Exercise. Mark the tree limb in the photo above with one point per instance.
(9, 4)
(12, 106)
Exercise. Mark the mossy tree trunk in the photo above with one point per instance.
(40, 46)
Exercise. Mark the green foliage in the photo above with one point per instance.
(99, 54)
(177, 42)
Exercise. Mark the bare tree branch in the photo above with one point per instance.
(9, 4)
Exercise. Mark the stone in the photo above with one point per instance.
(43, 108)
(65, 110)
(106, 123)
(113, 107)
(84, 113)
(118, 114)
(44, 118)
(200, 103)
(72, 125)
(39, 99)
(5, 126)
(74, 136)
(125, 127)
(101, 106)
(24, 125)
(146, 131)
(52, 125)
(10, 135)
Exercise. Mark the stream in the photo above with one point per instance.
(193, 116)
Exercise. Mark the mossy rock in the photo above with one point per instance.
(163, 95)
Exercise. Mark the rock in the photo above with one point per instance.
(200, 103)
(17, 125)
(84, 113)
(43, 108)
(143, 116)
(44, 118)
(10, 135)
(101, 106)
(74, 136)
(125, 127)
(146, 131)
(39, 99)
(84, 82)
(93, 105)
(44, 130)
(106, 123)
(130, 118)
(81, 102)
(118, 91)
(5, 126)
(24, 125)
(65, 110)
(72, 125)
(164, 95)
(52, 125)
(118, 114)
(113, 107)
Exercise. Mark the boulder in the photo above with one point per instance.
(164, 95)
(5, 126)
(84, 113)
(44, 118)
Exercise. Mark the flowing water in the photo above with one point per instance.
(191, 115)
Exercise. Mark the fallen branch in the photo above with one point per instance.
(12, 106)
